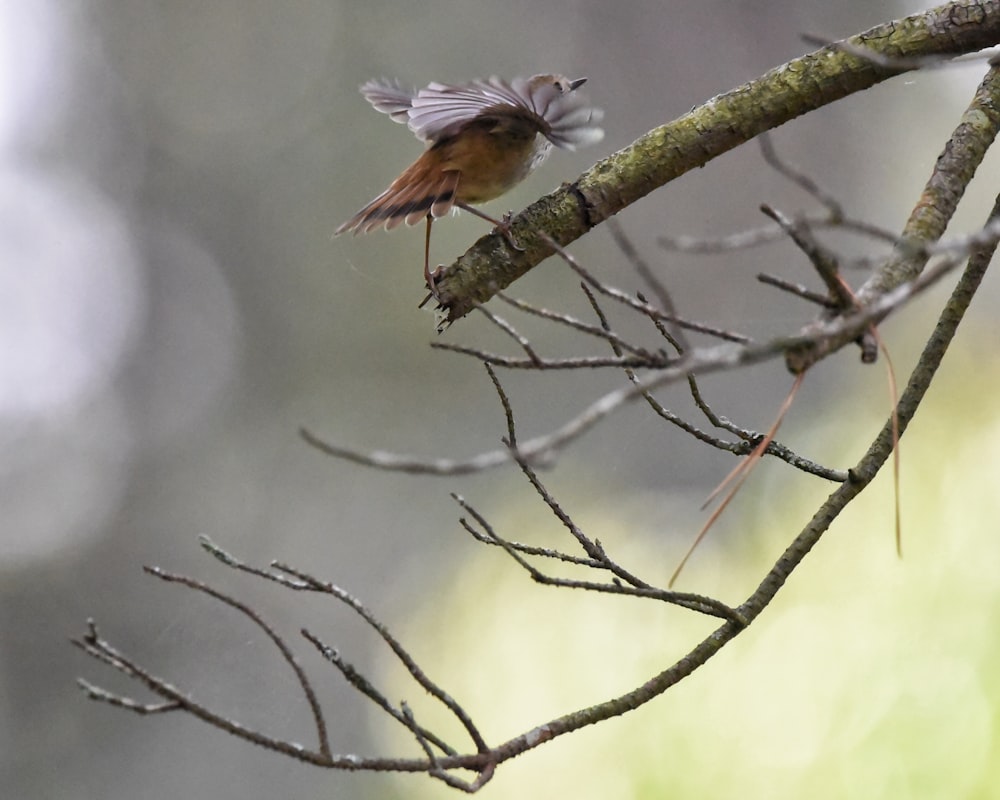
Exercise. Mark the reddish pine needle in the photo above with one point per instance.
(739, 474)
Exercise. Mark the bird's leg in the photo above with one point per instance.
(428, 277)
(502, 225)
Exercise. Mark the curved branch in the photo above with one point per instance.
(862, 474)
(485, 761)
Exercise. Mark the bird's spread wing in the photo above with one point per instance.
(390, 97)
(441, 110)
(572, 122)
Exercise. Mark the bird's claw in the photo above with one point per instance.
(503, 228)
(431, 278)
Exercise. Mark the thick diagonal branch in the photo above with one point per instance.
(724, 122)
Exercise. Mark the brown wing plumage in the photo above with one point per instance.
(423, 188)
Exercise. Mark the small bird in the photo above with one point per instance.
(483, 138)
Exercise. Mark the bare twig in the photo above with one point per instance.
(540, 450)
(92, 644)
(952, 173)
(641, 305)
(823, 260)
(643, 269)
(509, 329)
(579, 325)
(629, 585)
(798, 290)
(799, 178)
(650, 361)
(756, 237)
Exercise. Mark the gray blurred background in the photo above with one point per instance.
(173, 308)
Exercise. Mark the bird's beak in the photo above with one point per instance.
(577, 83)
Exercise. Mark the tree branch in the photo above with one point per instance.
(952, 173)
(724, 122)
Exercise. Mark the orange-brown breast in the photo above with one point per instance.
(493, 155)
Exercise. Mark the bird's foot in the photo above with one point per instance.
(430, 278)
(503, 228)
